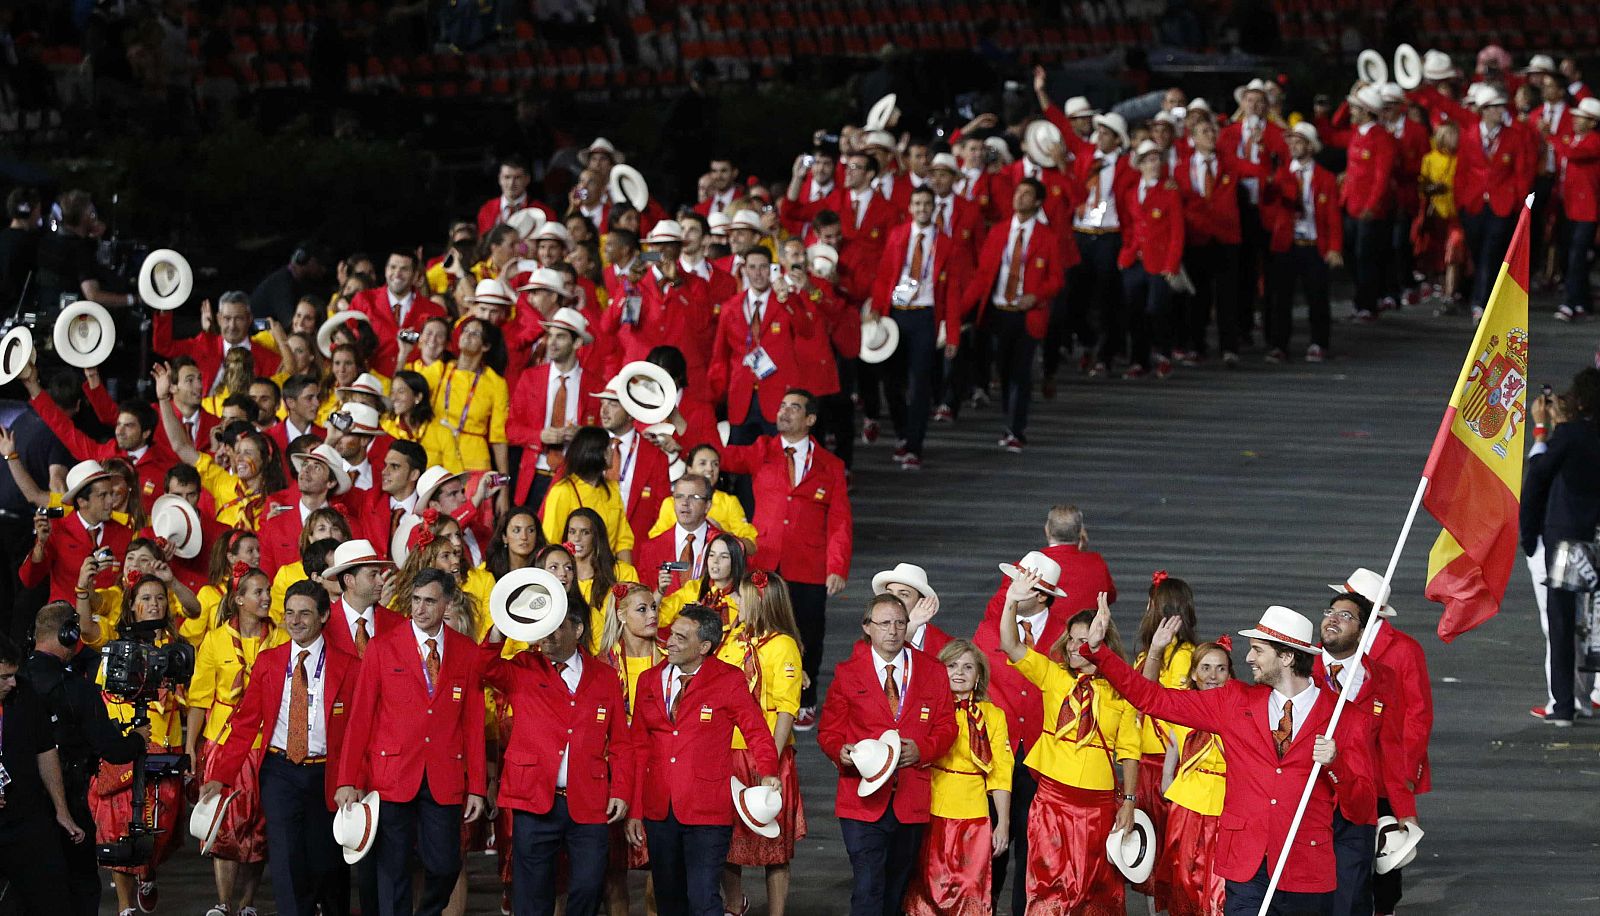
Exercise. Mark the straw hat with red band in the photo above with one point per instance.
(366, 383)
(545, 278)
(355, 827)
(571, 321)
(553, 232)
(82, 475)
(1286, 627)
(490, 291)
(173, 520)
(363, 420)
(1048, 571)
(205, 819)
(876, 759)
(328, 328)
(757, 806)
(350, 554)
(1367, 584)
(431, 480)
(325, 454)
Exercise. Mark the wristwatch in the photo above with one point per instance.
(1128, 798)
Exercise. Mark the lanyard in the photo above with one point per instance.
(311, 693)
(450, 378)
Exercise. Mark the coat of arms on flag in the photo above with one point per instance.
(1492, 405)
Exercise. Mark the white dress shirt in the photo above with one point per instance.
(574, 379)
(351, 615)
(859, 201)
(801, 458)
(422, 648)
(902, 671)
(571, 676)
(1302, 702)
(700, 536)
(1202, 165)
(944, 213)
(627, 463)
(1002, 280)
(924, 281)
(722, 201)
(1305, 222)
(1252, 152)
(755, 310)
(360, 474)
(317, 726)
(1036, 622)
(670, 685)
(1100, 210)
(1346, 672)
(94, 531)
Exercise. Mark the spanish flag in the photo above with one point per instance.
(1475, 469)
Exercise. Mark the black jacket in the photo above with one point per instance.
(1561, 490)
(84, 732)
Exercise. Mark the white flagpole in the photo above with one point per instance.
(1352, 674)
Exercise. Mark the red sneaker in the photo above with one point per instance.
(806, 719)
(148, 896)
(869, 431)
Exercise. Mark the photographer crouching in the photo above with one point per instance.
(59, 673)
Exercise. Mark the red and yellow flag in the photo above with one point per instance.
(1475, 469)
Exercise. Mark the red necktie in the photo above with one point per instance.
(686, 555)
(561, 670)
(299, 713)
(432, 664)
(891, 689)
(1014, 274)
(938, 216)
(683, 685)
(1285, 730)
(1027, 633)
(916, 259)
(977, 733)
(361, 637)
(614, 461)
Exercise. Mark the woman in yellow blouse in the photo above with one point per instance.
(221, 671)
(583, 485)
(954, 876)
(1090, 732)
(326, 522)
(1195, 777)
(255, 467)
(344, 367)
(1170, 599)
(629, 645)
(717, 589)
(495, 250)
(471, 400)
(99, 610)
(238, 370)
(766, 645)
(411, 418)
(127, 494)
(598, 568)
(431, 349)
(726, 512)
(233, 548)
(111, 792)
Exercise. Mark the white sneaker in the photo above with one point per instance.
(220, 909)
(1564, 313)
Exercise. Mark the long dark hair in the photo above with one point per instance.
(1169, 597)
(128, 598)
(422, 411)
(736, 549)
(497, 559)
(604, 561)
(586, 457)
(574, 594)
(273, 478)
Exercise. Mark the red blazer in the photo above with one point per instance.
(257, 712)
(524, 424)
(1043, 276)
(1263, 790)
(279, 433)
(1578, 164)
(398, 735)
(489, 213)
(337, 630)
(1152, 231)
(1214, 217)
(881, 216)
(1084, 575)
(782, 325)
(375, 304)
(1063, 192)
(651, 485)
(649, 555)
(1282, 203)
(1413, 143)
(806, 532)
(280, 526)
(152, 466)
(1274, 148)
(991, 191)
(965, 223)
(205, 349)
(856, 709)
(1378, 701)
(951, 269)
(1022, 701)
(1440, 108)
(64, 553)
(686, 311)
(683, 766)
(1499, 177)
(1368, 185)
(835, 327)
(589, 726)
(1403, 655)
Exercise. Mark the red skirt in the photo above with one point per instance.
(111, 806)
(243, 835)
(954, 877)
(1068, 872)
(1154, 804)
(749, 848)
(1186, 860)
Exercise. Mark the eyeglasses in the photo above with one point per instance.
(1345, 616)
(855, 167)
(689, 497)
(889, 624)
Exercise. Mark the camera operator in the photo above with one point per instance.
(68, 259)
(30, 771)
(61, 676)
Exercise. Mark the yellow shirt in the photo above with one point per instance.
(473, 404)
(217, 666)
(632, 667)
(571, 493)
(1200, 783)
(673, 604)
(726, 513)
(620, 572)
(1440, 168)
(479, 583)
(1085, 765)
(960, 786)
(438, 442)
(236, 507)
(1174, 674)
(288, 574)
(779, 687)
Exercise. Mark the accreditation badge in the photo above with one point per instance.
(338, 707)
(600, 714)
(705, 714)
(925, 714)
(455, 694)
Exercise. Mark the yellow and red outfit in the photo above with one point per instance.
(1175, 664)
(111, 790)
(221, 671)
(473, 405)
(1196, 795)
(771, 666)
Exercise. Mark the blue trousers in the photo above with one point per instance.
(1244, 897)
(301, 854)
(434, 832)
(883, 854)
(537, 842)
(1580, 238)
(1148, 298)
(1354, 848)
(686, 861)
(1487, 239)
(1368, 245)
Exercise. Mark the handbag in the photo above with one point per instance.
(1572, 567)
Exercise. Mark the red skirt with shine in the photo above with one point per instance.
(1154, 804)
(953, 879)
(1068, 872)
(243, 834)
(748, 848)
(111, 805)
(1187, 857)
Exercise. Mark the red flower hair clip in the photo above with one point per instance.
(132, 579)
(620, 590)
(240, 570)
(1226, 643)
(570, 547)
(430, 517)
(1158, 577)
(759, 580)
(420, 536)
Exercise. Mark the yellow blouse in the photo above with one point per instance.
(726, 513)
(216, 666)
(960, 785)
(1440, 168)
(236, 507)
(571, 493)
(1085, 765)
(633, 666)
(779, 687)
(673, 604)
(473, 405)
(1201, 782)
(479, 583)
(1174, 674)
(438, 442)
(287, 575)
(620, 572)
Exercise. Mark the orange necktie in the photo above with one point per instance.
(361, 637)
(561, 669)
(1027, 633)
(686, 555)
(977, 733)
(1333, 675)
(432, 664)
(299, 712)
(1210, 177)
(1285, 730)
(1014, 275)
(683, 685)
(891, 689)
(788, 454)
(614, 461)
(916, 259)
(555, 454)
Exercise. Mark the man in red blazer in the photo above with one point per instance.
(1412, 141)
(188, 390)
(1367, 193)
(684, 543)
(641, 467)
(1578, 153)
(553, 400)
(208, 348)
(1495, 167)
(301, 718)
(1307, 237)
(133, 437)
(363, 575)
(885, 685)
(320, 481)
(1084, 573)
(1018, 275)
(514, 180)
(1254, 138)
(61, 547)
(803, 513)
(302, 397)
(1151, 256)
(921, 281)
(1208, 181)
(956, 216)
(754, 359)
(393, 307)
(683, 720)
(865, 215)
(416, 738)
(1274, 729)
(569, 772)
